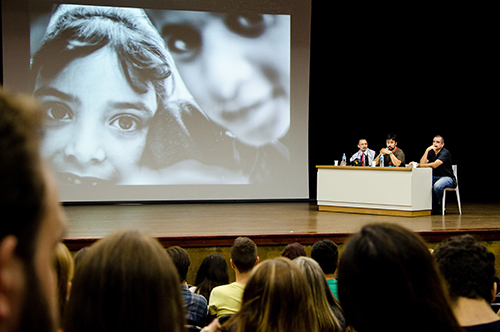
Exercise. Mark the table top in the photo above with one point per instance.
(391, 169)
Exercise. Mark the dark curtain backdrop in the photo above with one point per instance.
(413, 71)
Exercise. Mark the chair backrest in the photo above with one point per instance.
(454, 167)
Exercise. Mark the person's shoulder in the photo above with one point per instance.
(223, 288)
(237, 285)
(219, 288)
(198, 296)
(200, 299)
(444, 154)
(192, 298)
(488, 327)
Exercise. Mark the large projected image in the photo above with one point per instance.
(119, 111)
(166, 100)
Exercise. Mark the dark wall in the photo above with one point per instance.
(415, 73)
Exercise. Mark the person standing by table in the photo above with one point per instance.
(365, 155)
(438, 158)
(393, 155)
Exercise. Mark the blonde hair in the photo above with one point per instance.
(327, 320)
(276, 299)
(64, 269)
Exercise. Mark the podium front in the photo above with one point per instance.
(395, 191)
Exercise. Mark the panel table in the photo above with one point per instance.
(375, 190)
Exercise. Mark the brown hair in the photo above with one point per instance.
(293, 250)
(277, 298)
(244, 254)
(181, 260)
(402, 279)
(22, 181)
(125, 282)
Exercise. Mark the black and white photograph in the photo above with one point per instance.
(168, 101)
(198, 100)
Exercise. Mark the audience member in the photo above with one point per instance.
(226, 299)
(212, 273)
(389, 281)
(326, 253)
(195, 304)
(277, 298)
(79, 254)
(64, 271)
(329, 313)
(125, 282)
(294, 250)
(469, 271)
(32, 223)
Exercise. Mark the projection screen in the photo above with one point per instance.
(178, 100)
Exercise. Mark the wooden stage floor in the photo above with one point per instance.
(273, 223)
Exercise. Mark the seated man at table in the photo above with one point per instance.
(364, 156)
(393, 155)
(438, 158)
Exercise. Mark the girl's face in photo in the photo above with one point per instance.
(96, 123)
(236, 66)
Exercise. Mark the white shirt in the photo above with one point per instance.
(369, 156)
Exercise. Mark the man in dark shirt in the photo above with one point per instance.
(439, 158)
(393, 155)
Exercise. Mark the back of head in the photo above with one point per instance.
(392, 266)
(22, 184)
(244, 254)
(277, 298)
(125, 282)
(181, 260)
(294, 250)
(212, 273)
(467, 267)
(326, 253)
(322, 296)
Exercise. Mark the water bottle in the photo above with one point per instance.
(344, 160)
(382, 160)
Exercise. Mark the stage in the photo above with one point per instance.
(268, 224)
